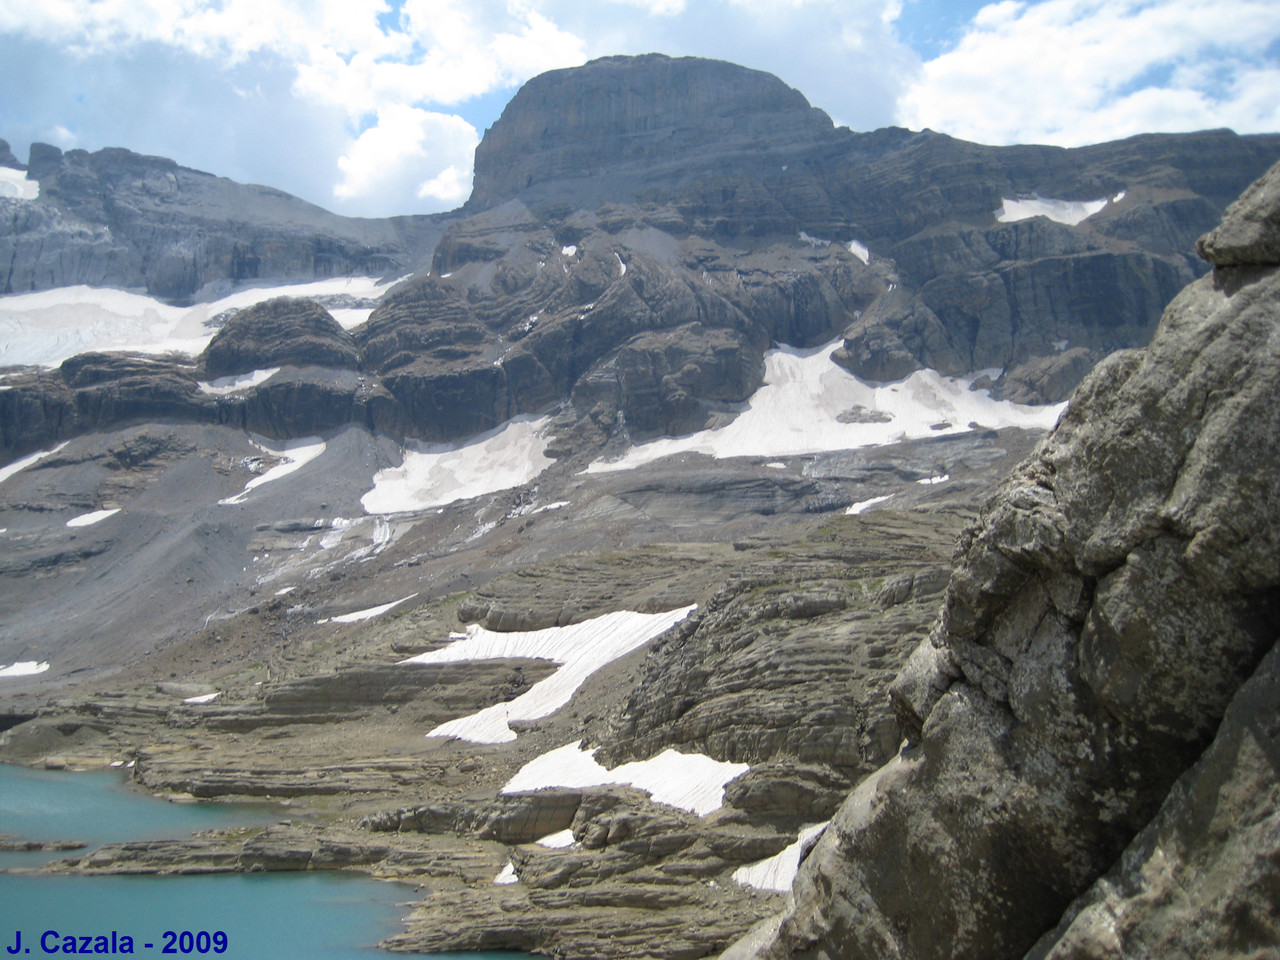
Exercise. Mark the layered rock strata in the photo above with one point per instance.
(1103, 615)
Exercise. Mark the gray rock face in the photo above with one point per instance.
(617, 118)
(1119, 589)
(115, 218)
(1250, 230)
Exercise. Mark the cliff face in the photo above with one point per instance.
(116, 218)
(1107, 612)
(624, 127)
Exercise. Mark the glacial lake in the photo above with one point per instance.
(264, 916)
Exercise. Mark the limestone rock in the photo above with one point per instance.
(1250, 228)
(280, 332)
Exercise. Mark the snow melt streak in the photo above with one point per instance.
(690, 781)
(581, 648)
(796, 411)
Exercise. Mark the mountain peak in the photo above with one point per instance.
(632, 125)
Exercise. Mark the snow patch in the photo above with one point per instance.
(930, 481)
(295, 455)
(570, 250)
(813, 241)
(779, 871)
(369, 613)
(860, 251)
(861, 505)
(89, 519)
(1070, 212)
(204, 697)
(507, 876)
(798, 411)
(690, 781)
(49, 326)
(436, 474)
(19, 465)
(580, 648)
(1060, 345)
(223, 386)
(622, 267)
(24, 668)
(557, 841)
(557, 505)
(15, 185)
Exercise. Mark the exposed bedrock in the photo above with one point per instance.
(790, 662)
(115, 218)
(1103, 614)
(279, 332)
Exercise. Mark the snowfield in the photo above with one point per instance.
(24, 668)
(690, 781)
(295, 455)
(15, 185)
(224, 386)
(1070, 212)
(23, 462)
(369, 613)
(779, 871)
(436, 474)
(89, 519)
(797, 411)
(49, 326)
(580, 648)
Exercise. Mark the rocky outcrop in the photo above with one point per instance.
(1102, 617)
(280, 332)
(792, 666)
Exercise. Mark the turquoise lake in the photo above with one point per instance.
(274, 916)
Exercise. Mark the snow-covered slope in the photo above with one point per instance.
(48, 327)
(808, 404)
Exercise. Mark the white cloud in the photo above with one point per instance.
(410, 151)
(1083, 71)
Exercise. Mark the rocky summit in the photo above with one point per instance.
(726, 534)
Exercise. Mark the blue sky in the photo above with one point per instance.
(374, 107)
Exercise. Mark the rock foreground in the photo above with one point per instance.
(1099, 675)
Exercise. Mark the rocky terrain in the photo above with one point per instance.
(1035, 723)
(628, 257)
(1090, 742)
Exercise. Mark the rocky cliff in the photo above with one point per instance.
(116, 218)
(1091, 717)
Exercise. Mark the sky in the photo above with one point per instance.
(374, 107)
